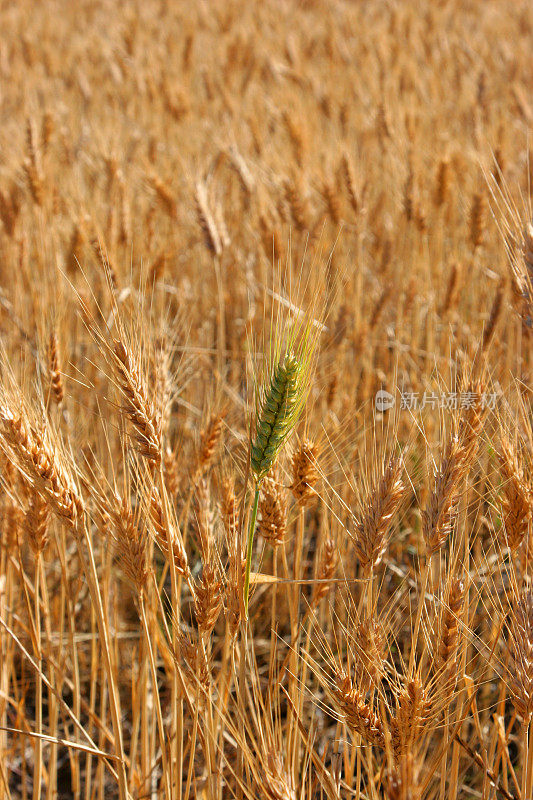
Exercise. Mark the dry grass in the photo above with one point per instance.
(225, 571)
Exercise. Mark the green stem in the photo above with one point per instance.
(251, 531)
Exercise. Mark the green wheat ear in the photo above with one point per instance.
(280, 400)
(277, 415)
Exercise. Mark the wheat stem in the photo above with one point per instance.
(419, 611)
(529, 761)
(251, 531)
(159, 713)
(101, 620)
(37, 777)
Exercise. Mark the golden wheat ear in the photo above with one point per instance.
(517, 497)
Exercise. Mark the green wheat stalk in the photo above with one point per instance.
(279, 404)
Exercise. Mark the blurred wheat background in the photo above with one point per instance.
(225, 571)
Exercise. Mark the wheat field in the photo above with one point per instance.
(266, 422)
